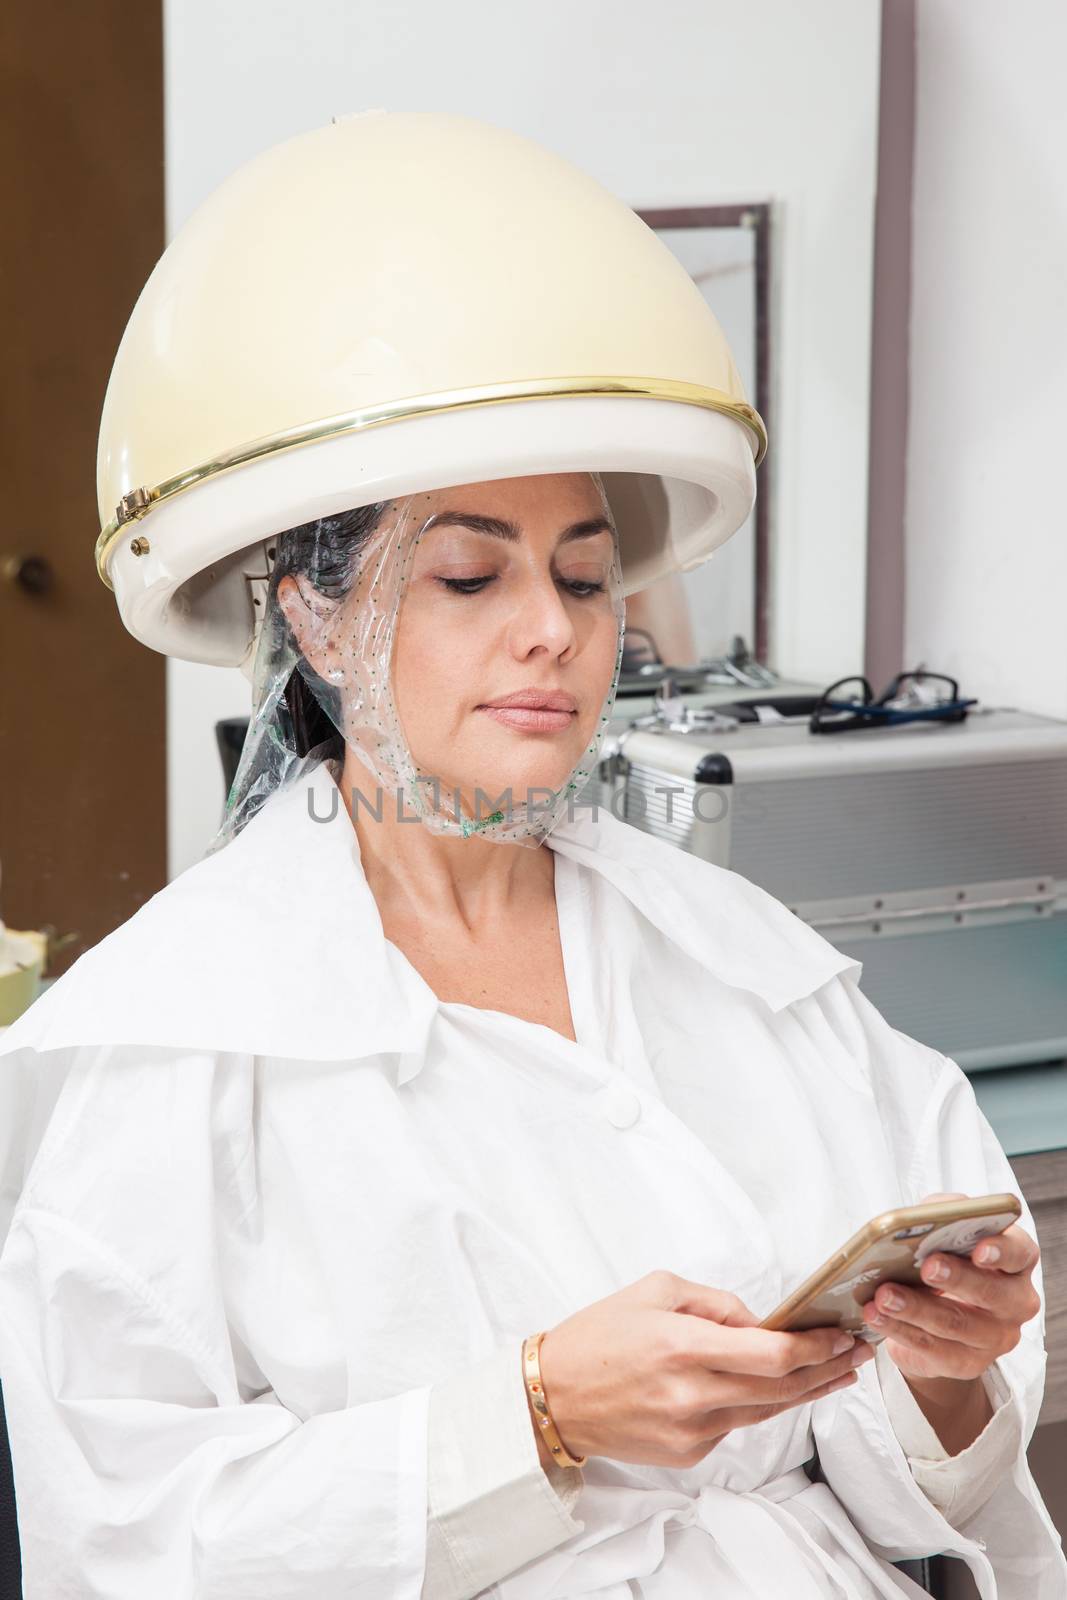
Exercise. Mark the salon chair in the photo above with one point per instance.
(230, 736)
(929, 1574)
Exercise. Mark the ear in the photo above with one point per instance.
(309, 613)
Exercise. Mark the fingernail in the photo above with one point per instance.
(893, 1301)
(874, 1320)
(936, 1271)
(844, 1342)
(990, 1253)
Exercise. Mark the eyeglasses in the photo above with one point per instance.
(911, 697)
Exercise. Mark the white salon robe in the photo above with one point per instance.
(286, 1199)
(485, 1470)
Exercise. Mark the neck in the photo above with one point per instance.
(440, 876)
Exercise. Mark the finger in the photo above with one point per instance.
(793, 1388)
(1005, 1294)
(939, 1357)
(671, 1292)
(700, 1300)
(748, 1416)
(1012, 1251)
(831, 1388)
(798, 1387)
(724, 1421)
(762, 1352)
(947, 1319)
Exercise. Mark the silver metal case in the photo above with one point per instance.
(934, 853)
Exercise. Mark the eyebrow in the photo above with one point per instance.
(501, 528)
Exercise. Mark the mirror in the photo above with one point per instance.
(697, 616)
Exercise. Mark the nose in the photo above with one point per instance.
(541, 619)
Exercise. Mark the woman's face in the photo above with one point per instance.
(508, 594)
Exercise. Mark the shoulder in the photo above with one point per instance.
(851, 1039)
(150, 972)
(836, 1045)
(269, 946)
(107, 1126)
(748, 938)
(731, 926)
(141, 984)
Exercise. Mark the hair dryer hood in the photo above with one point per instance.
(395, 302)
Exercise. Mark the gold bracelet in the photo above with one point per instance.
(531, 1368)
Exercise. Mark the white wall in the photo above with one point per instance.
(681, 102)
(986, 534)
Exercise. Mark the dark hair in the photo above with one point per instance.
(325, 552)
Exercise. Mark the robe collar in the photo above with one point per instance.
(274, 945)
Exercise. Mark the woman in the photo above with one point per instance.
(382, 1087)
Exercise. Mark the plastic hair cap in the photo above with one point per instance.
(395, 302)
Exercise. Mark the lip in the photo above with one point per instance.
(533, 700)
(533, 710)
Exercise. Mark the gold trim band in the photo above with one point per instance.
(137, 504)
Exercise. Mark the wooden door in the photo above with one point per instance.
(82, 704)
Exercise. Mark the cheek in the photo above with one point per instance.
(602, 653)
(432, 659)
(592, 673)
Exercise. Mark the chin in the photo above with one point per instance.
(537, 774)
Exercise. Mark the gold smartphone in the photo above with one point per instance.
(890, 1249)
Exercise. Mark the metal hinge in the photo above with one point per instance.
(133, 505)
(947, 906)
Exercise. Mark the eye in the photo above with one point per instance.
(581, 588)
(467, 585)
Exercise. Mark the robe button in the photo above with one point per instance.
(621, 1106)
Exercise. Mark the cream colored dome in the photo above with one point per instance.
(402, 301)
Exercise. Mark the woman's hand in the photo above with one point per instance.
(945, 1335)
(660, 1371)
(970, 1313)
